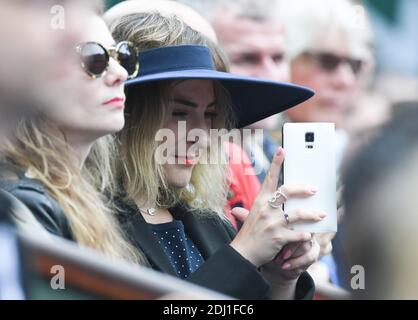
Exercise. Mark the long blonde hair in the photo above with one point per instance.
(49, 159)
(141, 177)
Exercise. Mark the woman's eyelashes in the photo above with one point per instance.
(182, 114)
(211, 114)
(186, 108)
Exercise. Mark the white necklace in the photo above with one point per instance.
(150, 211)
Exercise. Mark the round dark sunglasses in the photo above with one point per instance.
(95, 58)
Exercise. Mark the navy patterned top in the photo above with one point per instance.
(180, 249)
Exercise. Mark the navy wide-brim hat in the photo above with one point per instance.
(253, 99)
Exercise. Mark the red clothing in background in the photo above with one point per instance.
(244, 184)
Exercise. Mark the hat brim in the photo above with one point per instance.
(253, 99)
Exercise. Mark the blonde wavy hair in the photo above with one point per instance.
(142, 179)
(48, 158)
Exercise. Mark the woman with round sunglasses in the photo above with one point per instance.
(171, 198)
(58, 159)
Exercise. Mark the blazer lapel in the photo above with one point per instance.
(145, 239)
(207, 233)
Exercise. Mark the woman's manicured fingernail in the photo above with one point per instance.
(286, 266)
(287, 254)
(314, 190)
(279, 152)
(322, 215)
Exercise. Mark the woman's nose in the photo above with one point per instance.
(116, 74)
(344, 76)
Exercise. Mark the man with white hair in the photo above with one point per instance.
(329, 46)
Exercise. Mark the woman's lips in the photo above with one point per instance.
(115, 102)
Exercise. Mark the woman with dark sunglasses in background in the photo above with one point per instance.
(58, 157)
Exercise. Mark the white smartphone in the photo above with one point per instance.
(310, 159)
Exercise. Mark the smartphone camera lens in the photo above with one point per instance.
(309, 137)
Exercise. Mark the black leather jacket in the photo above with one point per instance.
(5, 206)
(45, 209)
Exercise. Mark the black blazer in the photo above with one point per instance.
(224, 269)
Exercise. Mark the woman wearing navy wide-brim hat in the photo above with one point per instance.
(172, 197)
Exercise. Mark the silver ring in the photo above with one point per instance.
(286, 216)
(281, 193)
(276, 196)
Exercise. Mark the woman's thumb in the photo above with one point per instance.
(240, 213)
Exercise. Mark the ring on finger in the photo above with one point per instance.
(286, 216)
(273, 201)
